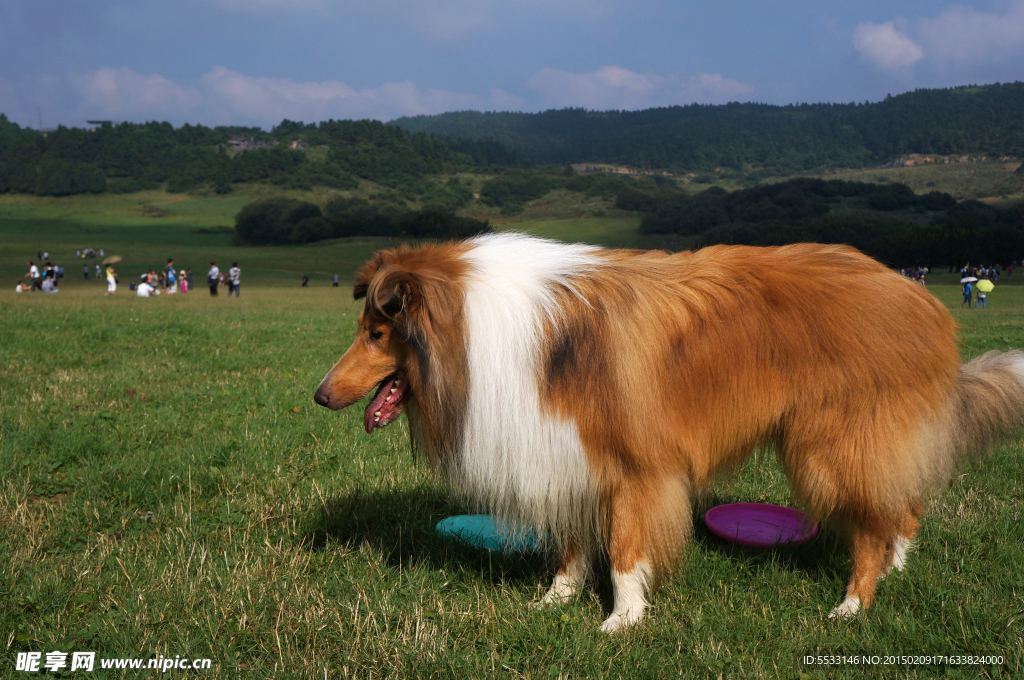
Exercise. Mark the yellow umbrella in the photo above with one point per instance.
(985, 286)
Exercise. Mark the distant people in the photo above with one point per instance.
(305, 281)
(191, 283)
(144, 290)
(33, 276)
(234, 280)
(213, 278)
(981, 298)
(49, 286)
(98, 272)
(968, 292)
(111, 280)
(101, 252)
(335, 281)
(85, 271)
(46, 254)
(172, 281)
(184, 281)
(21, 287)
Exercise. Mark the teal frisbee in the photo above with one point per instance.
(483, 531)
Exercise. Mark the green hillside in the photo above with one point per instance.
(982, 121)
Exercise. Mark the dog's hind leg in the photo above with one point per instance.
(869, 553)
(899, 547)
(570, 576)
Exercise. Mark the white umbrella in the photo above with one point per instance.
(969, 279)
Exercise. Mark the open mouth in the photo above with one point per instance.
(384, 407)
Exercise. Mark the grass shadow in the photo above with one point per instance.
(400, 525)
(823, 557)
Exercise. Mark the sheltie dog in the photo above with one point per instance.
(586, 393)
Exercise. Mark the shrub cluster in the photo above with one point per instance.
(281, 221)
(61, 178)
(794, 200)
(887, 221)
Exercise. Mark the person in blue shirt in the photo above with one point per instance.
(968, 293)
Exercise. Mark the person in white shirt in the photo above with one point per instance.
(143, 289)
(33, 275)
(235, 276)
(213, 278)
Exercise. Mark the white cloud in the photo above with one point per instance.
(964, 35)
(885, 46)
(234, 95)
(613, 87)
(126, 93)
(503, 101)
(224, 96)
(958, 36)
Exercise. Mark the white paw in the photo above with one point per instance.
(630, 590)
(848, 609)
(562, 589)
(551, 598)
(617, 622)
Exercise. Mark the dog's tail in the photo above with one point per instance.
(988, 403)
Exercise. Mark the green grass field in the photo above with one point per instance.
(168, 487)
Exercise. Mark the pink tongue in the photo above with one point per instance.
(384, 402)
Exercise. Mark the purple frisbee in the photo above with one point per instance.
(760, 525)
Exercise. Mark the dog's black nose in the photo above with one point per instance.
(321, 397)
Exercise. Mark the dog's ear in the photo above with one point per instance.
(393, 292)
(364, 276)
(419, 303)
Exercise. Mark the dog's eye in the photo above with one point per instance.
(376, 335)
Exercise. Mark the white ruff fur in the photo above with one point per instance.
(630, 597)
(518, 462)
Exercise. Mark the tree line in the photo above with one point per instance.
(752, 140)
(286, 221)
(887, 221)
(130, 157)
(757, 139)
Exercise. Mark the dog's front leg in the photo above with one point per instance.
(570, 576)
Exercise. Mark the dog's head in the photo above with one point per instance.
(411, 304)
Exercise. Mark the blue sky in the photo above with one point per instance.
(255, 62)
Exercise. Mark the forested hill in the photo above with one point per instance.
(129, 157)
(978, 120)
